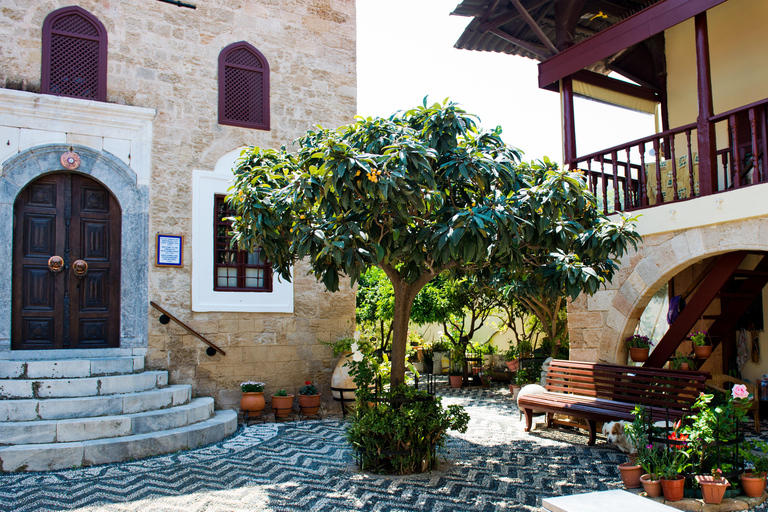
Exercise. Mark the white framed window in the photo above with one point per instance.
(206, 185)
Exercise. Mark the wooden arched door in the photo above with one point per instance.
(73, 217)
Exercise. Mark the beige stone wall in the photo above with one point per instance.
(599, 324)
(165, 57)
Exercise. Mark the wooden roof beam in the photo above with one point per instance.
(533, 48)
(508, 16)
(627, 32)
(534, 26)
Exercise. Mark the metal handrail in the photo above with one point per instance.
(188, 329)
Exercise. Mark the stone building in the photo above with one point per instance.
(699, 182)
(119, 125)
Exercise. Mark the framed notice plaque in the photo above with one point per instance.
(170, 249)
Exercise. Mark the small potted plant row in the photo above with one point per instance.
(282, 402)
(702, 347)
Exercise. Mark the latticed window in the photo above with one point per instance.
(74, 61)
(236, 270)
(243, 87)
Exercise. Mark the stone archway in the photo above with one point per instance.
(599, 323)
(133, 199)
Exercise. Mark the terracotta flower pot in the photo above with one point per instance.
(252, 402)
(702, 352)
(309, 404)
(673, 489)
(282, 405)
(513, 365)
(639, 355)
(712, 489)
(630, 474)
(684, 366)
(753, 484)
(455, 380)
(652, 487)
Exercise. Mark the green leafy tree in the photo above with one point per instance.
(416, 194)
(375, 304)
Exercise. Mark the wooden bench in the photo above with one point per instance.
(609, 392)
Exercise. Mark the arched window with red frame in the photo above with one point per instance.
(243, 87)
(74, 60)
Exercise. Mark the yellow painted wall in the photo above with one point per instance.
(738, 49)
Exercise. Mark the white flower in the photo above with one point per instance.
(354, 347)
(357, 336)
(357, 356)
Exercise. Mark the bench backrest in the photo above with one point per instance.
(676, 390)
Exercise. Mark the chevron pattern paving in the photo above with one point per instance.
(306, 466)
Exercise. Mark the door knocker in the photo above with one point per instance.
(55, 264)
(80, 268)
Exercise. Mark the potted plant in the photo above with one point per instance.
(639, 347)
(439, 349)
(253, 396)
(713, 486)
(753, 480)
(282, 404)
(309, 399)
(456, 373)
(428, 360)
(681, 362)
(702, 347)
(672, 463)
(649, 457)
(510, 356)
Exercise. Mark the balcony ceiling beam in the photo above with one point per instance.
(627, 32)
(508, 16)
(533, 48)
(534, 26)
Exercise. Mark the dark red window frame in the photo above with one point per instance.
(235, 264)
(74, 55)
(243, 87)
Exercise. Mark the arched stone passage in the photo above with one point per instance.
(133, 198)
(598, 324)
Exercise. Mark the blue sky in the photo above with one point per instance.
(405, 52)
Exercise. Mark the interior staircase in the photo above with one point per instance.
(82, 411)
(724, 279)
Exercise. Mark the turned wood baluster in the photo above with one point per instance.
(629, 188)
(641, 175)
(671, 140)
(690, 164)
(659, 197)
(735, 160)
(616, 202)
(724, 161)
(764, 132)
(604, 184)
(755, 152)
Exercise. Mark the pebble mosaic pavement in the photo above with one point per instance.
(306, 466)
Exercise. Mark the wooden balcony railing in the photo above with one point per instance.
(664, 168)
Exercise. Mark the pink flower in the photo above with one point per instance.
(740, 391)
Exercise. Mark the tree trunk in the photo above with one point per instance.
(400, 320)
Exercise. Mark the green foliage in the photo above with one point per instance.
(419, 193)
(638, 341)
(527, 376)
(281, 392)
(250, 386)
(700, 339)
(756, 453)
(308, 389)
(679, 359)
(511, 353)
(342, 345)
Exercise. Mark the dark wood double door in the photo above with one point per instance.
(66, 265)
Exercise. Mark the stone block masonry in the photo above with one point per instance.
(165, 58)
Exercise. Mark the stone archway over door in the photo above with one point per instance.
(76, 218)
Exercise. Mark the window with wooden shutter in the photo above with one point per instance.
(243, 87)
(236, 270)
(74, 57)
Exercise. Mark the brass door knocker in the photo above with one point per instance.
(55, 264)
(80, 268)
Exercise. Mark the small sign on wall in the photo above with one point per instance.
(170, 250)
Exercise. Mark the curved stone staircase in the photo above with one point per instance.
(66, 413)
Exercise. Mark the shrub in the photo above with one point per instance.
(401, 433)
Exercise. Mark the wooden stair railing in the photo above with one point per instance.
(212, 348)
(719, 275)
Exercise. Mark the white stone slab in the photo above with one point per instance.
(67, 388)
(121, 148)
(18, 410)
(72, 368)
(11, 369)
(16, 389)
(602, 501)
(31, 138)
(9, 142)
(83, 429)
(111, 365)
(41, 457)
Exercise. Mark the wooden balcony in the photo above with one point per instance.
(664, 168)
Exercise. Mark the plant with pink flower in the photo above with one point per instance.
(740, 391)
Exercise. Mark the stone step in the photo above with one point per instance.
(43, 457)
(85, 429)
(70, 368)
(86, 386)
(90, 406)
